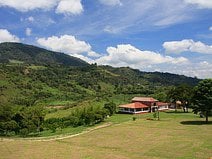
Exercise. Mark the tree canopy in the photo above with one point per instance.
(182, 93)
(202, 100)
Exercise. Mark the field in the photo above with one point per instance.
(176, 135)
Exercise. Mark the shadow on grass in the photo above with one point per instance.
(196, 123)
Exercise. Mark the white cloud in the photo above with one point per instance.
(24, 6)
(87, 59)
(171, 19)
(210, 28)
(28, 31)
(111, 2)
(201, 69)
(6, 36)
(69, 7)
(113, 30)
(128, 55)
(62, 6)
(31, 19)
(200, 3)
(135, 16)
(67, 44)
(187, 45)
(93, 54)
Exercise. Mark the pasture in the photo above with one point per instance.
(176, 135)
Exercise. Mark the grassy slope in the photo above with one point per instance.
(168, 138)
(117, 99)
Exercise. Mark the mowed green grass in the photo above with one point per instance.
(176, 135)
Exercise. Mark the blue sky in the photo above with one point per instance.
(150, 35)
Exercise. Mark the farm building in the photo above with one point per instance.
(143, 105)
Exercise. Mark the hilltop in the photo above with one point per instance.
(28, 54)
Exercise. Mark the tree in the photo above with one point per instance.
(111, 107)
(182, 93)
(6, 123)
(202, 100)
(31, 118)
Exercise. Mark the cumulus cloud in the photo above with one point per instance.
(69, 7)
(24, 6)
(202, 69)
(62, 6)
(28, 31)
(187, 45)
(128, 55)
(110, 2)
(67, 44)
(200, 3)
(210, 28)
(6, 36)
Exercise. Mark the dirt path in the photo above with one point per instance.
(58, 137)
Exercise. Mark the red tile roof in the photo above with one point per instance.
(144, 99)
(159, 104)
(134, 105)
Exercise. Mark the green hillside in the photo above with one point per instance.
(42, 90)
(28, 54)
(30, 76)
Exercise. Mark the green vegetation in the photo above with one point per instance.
(182, 93)
(202, 99)
(176, 135)
(80, 116)
(21, 53)
(16, 62)
(23, 122)
(49, 91)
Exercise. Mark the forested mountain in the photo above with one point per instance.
(30, 75)
(29, 54)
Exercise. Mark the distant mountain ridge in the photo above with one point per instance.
(152, 77)
(34, 55)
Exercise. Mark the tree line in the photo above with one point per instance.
(30, 120)
(199, 98)
(22, 122)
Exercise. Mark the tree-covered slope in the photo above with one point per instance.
(30, 75)
(158, 78)
(34, 55)
(35, 81)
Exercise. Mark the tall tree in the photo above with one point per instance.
(202, 100)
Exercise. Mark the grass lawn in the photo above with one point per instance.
(176, 135)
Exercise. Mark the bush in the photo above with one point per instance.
(134, 118)
(24, 132)
(111, 107)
